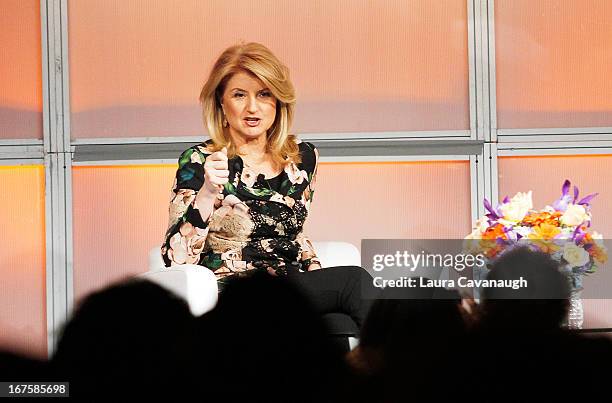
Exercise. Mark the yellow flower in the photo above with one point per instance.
(542, 236)
(544, 231)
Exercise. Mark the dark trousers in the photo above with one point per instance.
(340, 289)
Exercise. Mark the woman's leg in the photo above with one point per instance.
(344, 289)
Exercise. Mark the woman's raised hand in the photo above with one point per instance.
(216, 172)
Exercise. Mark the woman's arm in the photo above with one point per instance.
(308, 255)
(195, 191)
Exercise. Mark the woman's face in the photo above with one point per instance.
(249, 107)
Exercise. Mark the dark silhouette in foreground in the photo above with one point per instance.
(127, 340)
(522, 352)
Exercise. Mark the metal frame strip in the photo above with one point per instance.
(407, 135)
(57, 160)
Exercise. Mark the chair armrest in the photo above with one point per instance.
(333, 253)
(195, 284)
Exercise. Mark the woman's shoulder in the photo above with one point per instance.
(309, 154)
(195, 154)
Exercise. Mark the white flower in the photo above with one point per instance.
(248, 177)
(549, 209)
(574, 215)
(482, 224)
(296, 176)
(475, 234)
(517, 208)
(195, 158)
(575, 255)
(231, 255)
(277, 197)
(566, 233)
(522, 231)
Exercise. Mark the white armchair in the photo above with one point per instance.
(195, 284)
(198, 285)
(333, 253)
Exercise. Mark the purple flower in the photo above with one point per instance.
(562, 202)
(493, 214)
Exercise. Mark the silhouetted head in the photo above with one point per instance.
(127, 334)
(269, 340)
(406, 321)
(542, 303)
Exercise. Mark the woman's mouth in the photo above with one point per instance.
(252, 122)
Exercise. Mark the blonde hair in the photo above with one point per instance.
(257, 60)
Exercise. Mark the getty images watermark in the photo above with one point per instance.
(401, 263)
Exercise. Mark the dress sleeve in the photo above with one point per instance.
(308, 254)
(186, 233)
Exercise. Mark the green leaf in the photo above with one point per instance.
(230, 188)
(212, 260)
(185, 157)
(262, 192)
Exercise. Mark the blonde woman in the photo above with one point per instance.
(240, 199)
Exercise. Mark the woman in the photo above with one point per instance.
(241, 198)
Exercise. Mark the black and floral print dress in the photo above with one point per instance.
(256, 223)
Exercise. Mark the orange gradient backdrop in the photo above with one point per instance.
(546, 176)
(121, 212)
(137, 66)
(553, 61)
(20, 70)
(23, 324)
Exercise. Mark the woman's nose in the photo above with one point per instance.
(252, 104)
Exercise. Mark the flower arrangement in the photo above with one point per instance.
(561, 230)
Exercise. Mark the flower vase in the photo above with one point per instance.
(575, 312)
(575, 315)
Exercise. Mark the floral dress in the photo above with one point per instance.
(252, 227)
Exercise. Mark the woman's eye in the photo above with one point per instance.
(266, 94)
(238, 95)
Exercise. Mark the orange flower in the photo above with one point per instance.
(599, 254)
(494, 232)
(535, 218)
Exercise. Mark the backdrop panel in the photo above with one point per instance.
(412, 200)
(553, 60)
(20, 70)
(120, 213)
(392, 65)
(23, 324)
